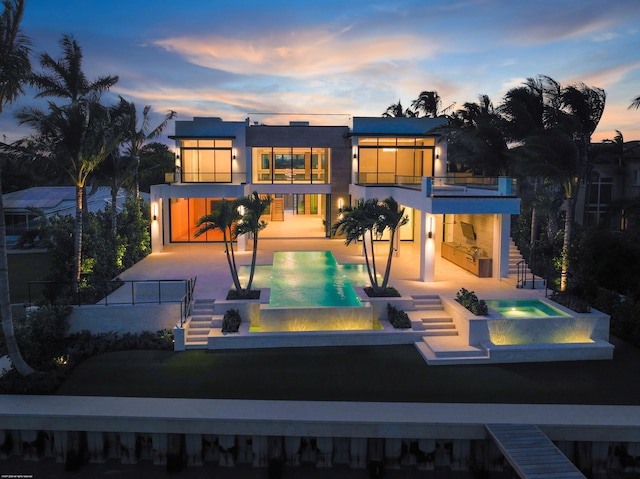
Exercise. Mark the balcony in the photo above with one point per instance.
(452, 185)
(233, 178)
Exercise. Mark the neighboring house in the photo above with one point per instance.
(310, 172)
(21, 208)
(613, 182)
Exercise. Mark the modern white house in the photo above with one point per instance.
(312, 171)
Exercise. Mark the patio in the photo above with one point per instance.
(441, 332)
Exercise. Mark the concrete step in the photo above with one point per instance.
(438, 320)
(450, 350)
(431, 326)
(441, 332)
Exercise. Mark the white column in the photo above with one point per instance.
(501, 235)
(427, 248)
(242, 243)
(156, 224)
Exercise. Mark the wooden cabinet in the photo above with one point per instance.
(478, 264)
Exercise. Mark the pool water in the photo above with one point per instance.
(523, 308)
(308, 279)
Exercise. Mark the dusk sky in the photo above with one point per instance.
(235, 59)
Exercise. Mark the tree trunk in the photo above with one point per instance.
(568, 221)
(5, 303)
(114, 211)
(77, 258)
(387, 270)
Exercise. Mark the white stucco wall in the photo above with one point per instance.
(124, 318)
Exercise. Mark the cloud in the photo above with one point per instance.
(314, 52)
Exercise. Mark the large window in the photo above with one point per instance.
(206, 161)
(600, 196)
(395, 161)
(184, 217)
(291, 165)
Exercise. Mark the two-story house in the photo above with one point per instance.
(310, 172)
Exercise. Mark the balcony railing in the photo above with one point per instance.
(450, 185)
(234, 178)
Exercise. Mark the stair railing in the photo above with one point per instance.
(187, 301)
(521, 274)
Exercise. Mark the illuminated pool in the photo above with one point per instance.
(309, 279)
(524, 308)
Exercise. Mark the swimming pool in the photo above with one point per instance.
(309, 279)
(524, 308)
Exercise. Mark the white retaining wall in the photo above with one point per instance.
(125, 318)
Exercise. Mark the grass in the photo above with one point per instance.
(363, 373)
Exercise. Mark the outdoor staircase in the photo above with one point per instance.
(202, 320)
(530, 281)
(441, 342)
(429, 316)
(277, 209)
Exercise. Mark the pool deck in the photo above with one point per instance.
(208, 263)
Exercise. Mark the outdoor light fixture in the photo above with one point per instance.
(430, 228)
(355, 156)
(234, 155)
(437, 153)
(154, 211)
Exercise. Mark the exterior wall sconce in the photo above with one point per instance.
(355, 156)
(154, 211)
(437, 153)
(430, 228)
(234, 154)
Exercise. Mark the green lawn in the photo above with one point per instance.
(366, 373)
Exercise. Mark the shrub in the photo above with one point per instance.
(389, 292)
(469, 300)
(572, 302)
(41, 335)
(398, 318)
(231, 321)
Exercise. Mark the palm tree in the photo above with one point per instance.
(15, 69)
(223, 218)
(392, 218)
(429, 103)
(395, 110)
(235, 218)
(367, 220)
(635, 103)
(252, 207)
(135, 138)
(116, 171)
(75, 136)
(476, 138)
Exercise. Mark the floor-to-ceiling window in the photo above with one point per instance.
(290, 165)
(185, 213)
(206, 161)
(397, 161)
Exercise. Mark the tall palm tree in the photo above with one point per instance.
(223, 218)
(476, 138)
(392, 218)
(77, 138)
(75, 135)
(635, 103)
(396, 110)
(235, 218)
(429, 103)
(367, 220)
(15, 69)
(136, 136)
(252, 208)
(116, 172)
